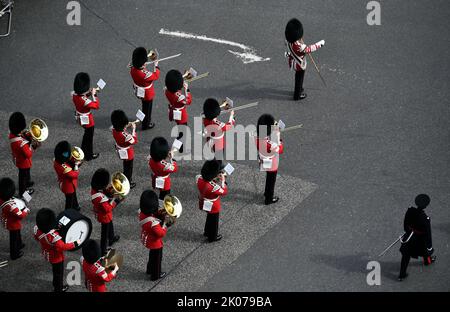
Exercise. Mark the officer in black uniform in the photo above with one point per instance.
(416, 242)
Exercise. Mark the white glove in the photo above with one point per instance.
(321, 43)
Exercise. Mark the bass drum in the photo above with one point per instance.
(74, 226)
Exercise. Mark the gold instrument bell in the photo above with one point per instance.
(112, 258)
(38, 130)
(172, 206)
(120, 184)
(77, 153)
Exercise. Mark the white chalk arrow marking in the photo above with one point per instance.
(247, 56)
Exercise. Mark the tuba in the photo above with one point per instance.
(172, 208)
(38, 130)
(120, 184)
(77, 154)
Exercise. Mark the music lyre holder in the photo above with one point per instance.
(6, 8)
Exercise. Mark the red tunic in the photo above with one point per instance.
(215, 132)
(144, 79)
(152, 231)
(96, 276)
(124, 143)
(103, 206)
(12, 215)
(22, 151)
(52, 245)
(210, 191)
(67, 177)
(296, 53)
(162, 169)
(270, 151)
(178, 102)
(83, 105)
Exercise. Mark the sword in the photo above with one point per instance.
(390, 246)
(315, 65)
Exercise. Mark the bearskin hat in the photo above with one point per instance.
(62, 151)
(119, 119)
(91, 251)
(211, 108)
(17, 123)
(139, 57)
(82, 83)
(211, 169)
(45, 220)
(422, 201)
(174, 80)
(100, 179)
(149, 202)
(294, 30)
(7, 189)
(265, 123)
(159, 148)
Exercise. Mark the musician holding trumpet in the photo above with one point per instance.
(214, 128)
(104, 200)
(124, 141)
(66, 168)
(85, 99)
(143, 80)
(161, 164)
(23, 146)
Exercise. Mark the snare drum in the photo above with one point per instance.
(74, 226)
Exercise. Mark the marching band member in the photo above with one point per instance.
(296, 53)
(143, 84)
(269, 146)
(52, 246)
(95, 275)
(162, 165)
(12, 217)
(153, 231)
(215, 129)
(67, 172)
(211, 186)
(85, 99)
(179, 96)
(104, 203)
(417, 241)
(124, 142)
(22, 148)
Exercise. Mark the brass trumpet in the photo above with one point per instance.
(153, 55)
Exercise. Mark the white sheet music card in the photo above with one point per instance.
(176, 115)
(101, 83)
(140, 92)
(140, 115)
(177, 144)
(161, 203)
(281, 124)
(193, 72)
(228, 169)
(229, 101)
(207, 205)
(64, 220)
(159, 183)
(84, 120)
(26, 196)
(123, 154)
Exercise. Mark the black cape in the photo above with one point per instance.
(417, 227)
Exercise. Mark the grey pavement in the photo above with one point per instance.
(373, 139)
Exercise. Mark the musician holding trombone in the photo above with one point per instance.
(161, 164)
(214, 128)
(22, 147)
(269, 146)
(104, 201)
(85, 99)
(143, 80)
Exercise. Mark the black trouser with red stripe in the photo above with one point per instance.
(107, 235)
(180, 135)
(154, 263)
(58, 276)
(88, 142)
(128, 169)
(212, 226)
(24, 180)
(147, 110)
(271, 178)
(15, 244)
(72, 201)
(405, 261)
(299, 76)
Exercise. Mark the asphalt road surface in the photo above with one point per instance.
(373, 139)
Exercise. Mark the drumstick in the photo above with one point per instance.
(240, 107)
(198, 77)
